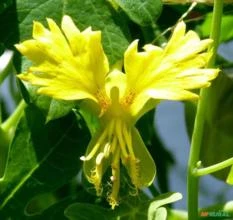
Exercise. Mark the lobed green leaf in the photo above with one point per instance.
(142, 12)
(42, 157)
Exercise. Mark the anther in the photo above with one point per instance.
(107, 150)
(103, 101)
(99, 158)
(128, 99)
(83, 158)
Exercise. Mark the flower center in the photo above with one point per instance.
(128, 99)
(113, 145)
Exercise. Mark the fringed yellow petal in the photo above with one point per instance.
(72, 33)
(33, 79)
(67, 66)
(98, 62)
(168, 73)
(69, 27)
(39, 31)
(59, 91)
(34, 52)
(171, 94)
(136, 63)
(176, 37)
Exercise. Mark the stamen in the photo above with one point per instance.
(83, 158)
(128, 139)
(96, 147)
(99, 158)
(115, 178)
(91, 154)
(110, 128)
(134, 171)
(97, 173)
(107, 150)
(120, 138)
(103, 101)
(128, 99)
(96, 177)
(113, 145)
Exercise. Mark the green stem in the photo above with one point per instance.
(160, 38)
(213, 168)
(6, 134)
(193, 180)
(14, 118)
(6, 65)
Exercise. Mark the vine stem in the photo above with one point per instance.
(192, 179)
(14, 118)
(5, 64)
(213, 168)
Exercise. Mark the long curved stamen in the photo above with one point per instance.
(115, 178)
(114, 144)
(128, 140)
(104, 102)
(96, 147)
(110, 128)
(97, 173)
(129, 98)
(91, 154)
(107, 148)
(120, 138)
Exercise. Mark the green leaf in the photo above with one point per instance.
(59, 108)
(86, 109)
(100, 16)
(82, 211)
(95, 13)
(17, 22)
(42, 157)
(52, 108)
(142, 12)
(217, 144)
(57, 210)
(226, 27)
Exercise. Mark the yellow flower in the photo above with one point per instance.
(71, 65)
